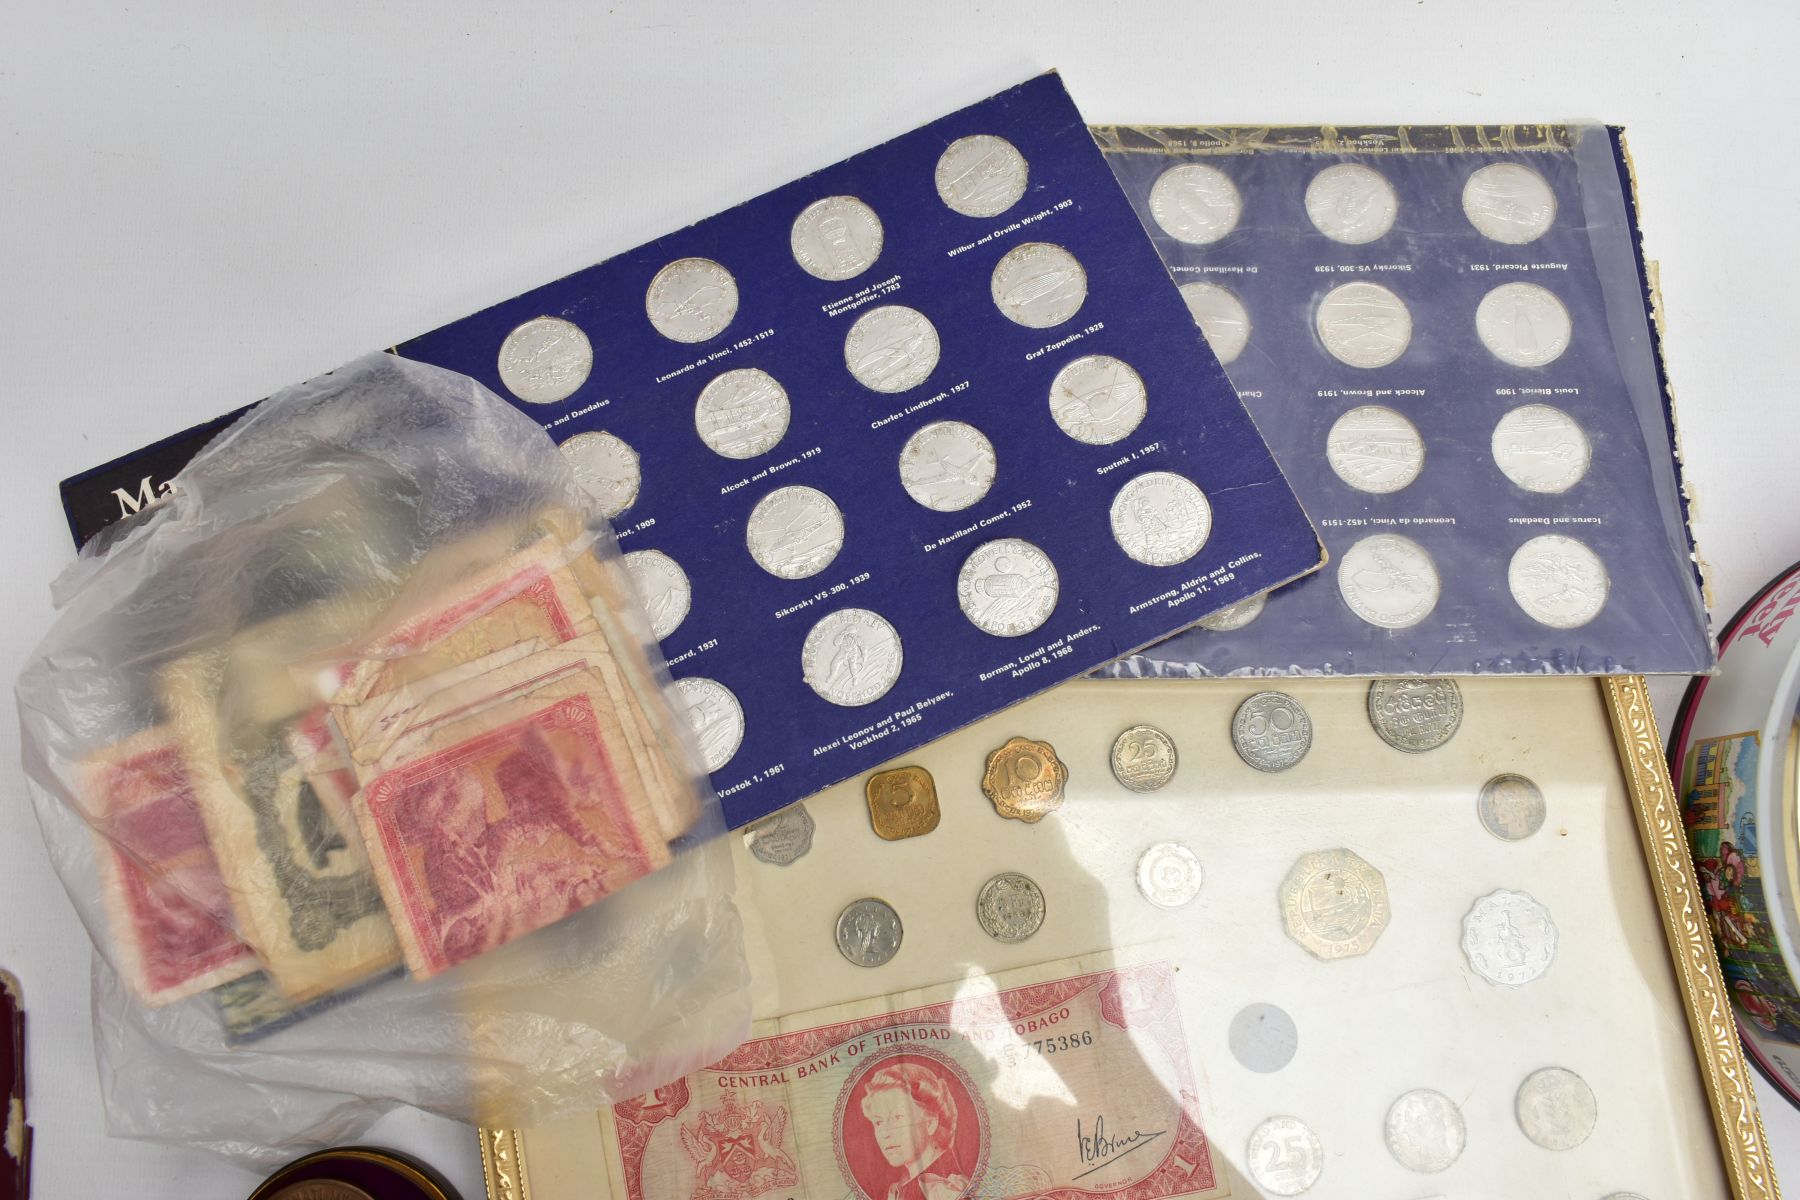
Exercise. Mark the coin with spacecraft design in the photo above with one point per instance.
(1098, 399)
(1509, 202)
(742, 413)
(836, 238)
(607, 469)
(891, 348)
(1541, 449)
(981, 175)
(1223, 320)
(1364, 325)
(947, 465)
(1375, 449)
(1007, 587)
(1195, 203)
(851, 657)
(1558, 581)
(1038, 285)
(794, 532)
(545, 360)
(1010, 907)
(1351, 203)
(691, 300)
(1388, 580)
(662, 587)
(716, 717)
(1235, 616)
(1523, 324)
(1161, 519)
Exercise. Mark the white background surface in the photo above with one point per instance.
(202, 203)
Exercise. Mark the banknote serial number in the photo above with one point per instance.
(1052, 1044)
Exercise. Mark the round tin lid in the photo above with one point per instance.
(355, 1173)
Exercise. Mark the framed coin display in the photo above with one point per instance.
(1450, 336)
(1469, 968)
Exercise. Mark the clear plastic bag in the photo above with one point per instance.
(355, 758)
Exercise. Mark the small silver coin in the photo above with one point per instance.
(1558, 581)
(1038, 285)
(1556, 1108)
(1169, 875)
(868, 932)
(783, 837)
(1263, 1038)
(891, 349)
(1235, 616)
(1511, 807)
(1098, 399)
(794, 532)
(716, 717)
(742, 413)
(1007, 587)
(1223, 320)
(1375, 449)
(545, 360)
(1364, 325)
(606, 468)
(1510, 203)
(1195, 203)
(1541, 449)
(1509, 938)
(662, 587)
(1271, 731)
(1388, 580)
(947, 466)
(836, 238)
(1161, 519)
(1010, 907)
(691, 300)
(851, 657)
(1284, 1156)
(1415, 715)
(1351, 203)
(981, 175)
(1334, 905)
(1523, 324)
(1143, 758)
(1425, 1131)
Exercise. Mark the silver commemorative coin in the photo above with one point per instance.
(1375, 449)
(1143, 758)
(1235, 616)
(1271, 731)
(794, 532)
(1169, 875)
(1098, 399)
(545, 360)
(607, 469)
(851, 657)
(868, 932)
(1523, 324)
(1351, 203)
(1415, 715)
(1263, 1038)
(947, 465)
(1364, 324)
(1010, 907)
(1558, 581)
(1425, 1131)
(836, 238)
(981, 175)
(1334, 904)
(891, 348)
(1510, 203)
(1038, 285)
(1541, 449)
(1007, 587)
(1509, 938)
(1284, 1156)
(1388, 580)
(781, 838)
(1556, 1108)
(1223, 320)
(691, 300)
(716, 717)
(1511, 807)
(742, 413)
(1161, 519)
(1195, 203)
(662, 587)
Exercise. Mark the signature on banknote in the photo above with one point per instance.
(1101, 1147)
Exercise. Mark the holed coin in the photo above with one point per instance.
(742, 413)
(1195, 203)
(1511, 807)
(1375, 449)
(1556, 1108)
(1425, 1131)
(947, 465)
(1509, 938)
(607, 469)
(1010, 907)
(1284, 1156)
(1007, 587)
(1558, 581)
(716, 717)
(836, 238)
(1271, 731)
(851, 657)
(1523, 324)
(1364, 324)
(1098, 399)
(1169, 875)
(1541, 449)
(1223, 320)
(891, 348)
(794, 532)
(868, 932)
(691, 300)
(1038, 285)
(1334, 904)
(1024, 779)
(1143, 758)
(1161, 519)
(662, 588)
(1351, 203)
(1415, 715)
(981, 175)
(1388, 580)
(1509, 203)
(1235, 616)
(783, 837)
(545, 360)
(1263, 1038)
(903, 803)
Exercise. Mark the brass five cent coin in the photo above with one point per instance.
(1025, 780)
(903, 802)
